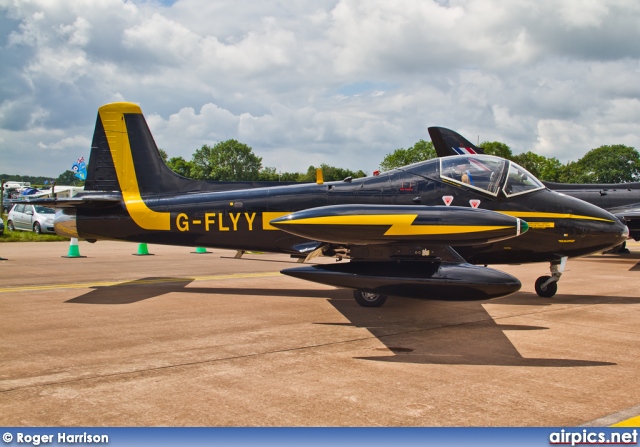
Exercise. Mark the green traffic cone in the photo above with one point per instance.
(143, 250)
(200, 251)
(74, 250)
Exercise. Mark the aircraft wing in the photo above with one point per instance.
(85, 201)
(627, 210)
(405, 250)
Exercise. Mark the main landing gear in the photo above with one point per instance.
(368, 299)
(547, 286)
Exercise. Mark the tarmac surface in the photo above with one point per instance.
(184, 339)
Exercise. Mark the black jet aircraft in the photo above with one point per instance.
(620, 199)
(396, 229)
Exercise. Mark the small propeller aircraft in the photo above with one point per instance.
(420, 230)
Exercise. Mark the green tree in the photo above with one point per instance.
(420, 151)
(331, 173)
(551, 170)
(497, 148)
(290, 177)
(542, 167)
(69, 178)
(226, 161)
(270, 174)
(570, 172)
(34, 180)
(609, 164)
(180, 166)
(163, 155)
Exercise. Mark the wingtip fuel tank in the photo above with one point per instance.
(376, 224)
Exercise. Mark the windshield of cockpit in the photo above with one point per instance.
(520, 181)
(484, 172)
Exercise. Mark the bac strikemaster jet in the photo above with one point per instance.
(396, 229)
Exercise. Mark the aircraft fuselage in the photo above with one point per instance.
(558, 225)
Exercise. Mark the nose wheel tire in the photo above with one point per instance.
(549, 290)
(368, 299)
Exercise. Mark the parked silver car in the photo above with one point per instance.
(27, 217)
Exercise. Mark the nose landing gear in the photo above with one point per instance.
(547, 286)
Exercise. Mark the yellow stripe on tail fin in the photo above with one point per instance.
(115, 128)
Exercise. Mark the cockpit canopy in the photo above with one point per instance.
(487, 174)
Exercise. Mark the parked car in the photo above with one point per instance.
(6, 203)
(28, 217)
(1, 227)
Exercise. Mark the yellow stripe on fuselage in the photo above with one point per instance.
(115, 129)
(535, 214)
(400, 224)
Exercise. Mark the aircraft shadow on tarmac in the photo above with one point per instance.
(146, 288)
(618, 259)
(413, 330)
(133, 291)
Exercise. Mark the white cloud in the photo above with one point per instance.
(71, 142)
(561, 139)
(333, 81)
(76, 33)
(583, 13)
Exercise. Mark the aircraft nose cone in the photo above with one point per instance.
(587, 228)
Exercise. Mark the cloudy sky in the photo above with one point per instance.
(341, 82)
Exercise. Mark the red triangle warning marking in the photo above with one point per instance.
(474, 203)
(447, 200)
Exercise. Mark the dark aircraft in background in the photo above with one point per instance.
(620, 199)
(397, 229)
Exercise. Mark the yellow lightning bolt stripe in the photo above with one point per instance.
(112, 117)
(268, 216)
(400, 224)
(536, 214)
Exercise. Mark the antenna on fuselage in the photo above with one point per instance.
(319, 177)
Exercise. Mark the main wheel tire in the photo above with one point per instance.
(10, 226)
(368, 299)
(549, 291)
(36, 228)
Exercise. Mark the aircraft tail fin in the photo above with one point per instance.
(124, 157)
(447, 142)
